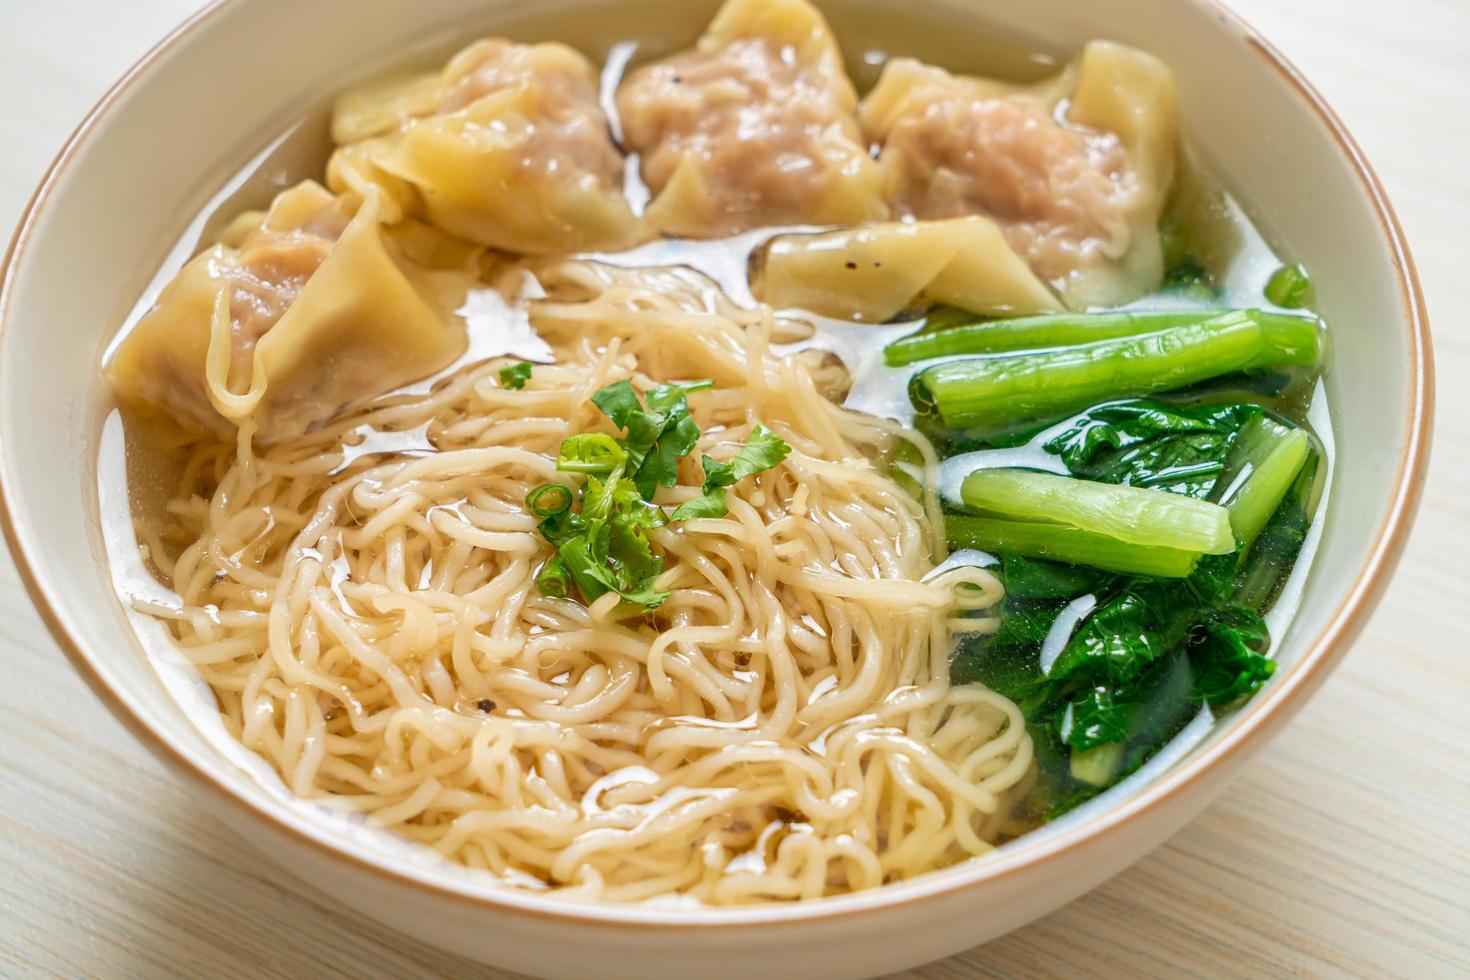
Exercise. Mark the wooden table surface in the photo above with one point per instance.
(1345, 851)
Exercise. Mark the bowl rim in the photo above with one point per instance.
(1317, 660)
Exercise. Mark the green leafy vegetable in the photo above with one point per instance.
(1262, 467)
(1289, 337)
(1126, 633)
(604, 547)
(515, 376)
(1146, 443)
(1280, 541)
(997, 393)
(1058, 542)
(1229, 664)
(1027, 578)
(1127, 514)
(676, 438)
(763, 449)
(1290, 287)
(1132, 653)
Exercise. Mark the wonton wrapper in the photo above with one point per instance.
(754, 126)
(874, 271)
(1079, 200)
(287, 325)
(507, 146)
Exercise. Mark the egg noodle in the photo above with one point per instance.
(782, 727)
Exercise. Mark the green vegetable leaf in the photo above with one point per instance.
(578, 556)
(1035, 578)
(716, 473)
(618, 401)
(711, 503)
(666, 397)
(761, 450)
(1102, 716)
(659, 435)
(629, 507)
(644, 430)
(676, 438)
(660, 468)
(1152, 650)
(634, 564)
(598, 500)
(515, 376)
(602, 545)
(1148, 443)
(1227, 660)
(1126, 634)
(1211, 583)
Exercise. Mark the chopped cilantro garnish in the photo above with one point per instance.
(602, 546)
(762, 450)
(515, 376)
(592, 453)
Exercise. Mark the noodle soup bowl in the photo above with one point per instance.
(154, 152)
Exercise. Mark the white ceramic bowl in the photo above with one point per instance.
(213, 93)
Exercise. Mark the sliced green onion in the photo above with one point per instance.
(559, 503)
(553, 580)
(590, 452)
(515, 376)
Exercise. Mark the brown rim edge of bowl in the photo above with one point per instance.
(1317, 660)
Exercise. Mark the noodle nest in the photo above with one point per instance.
(782, 727)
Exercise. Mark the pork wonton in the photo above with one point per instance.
(1075, 169)
(753, 126)
(874, 271)
(507, 146)
(285, 324)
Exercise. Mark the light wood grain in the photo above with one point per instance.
(1344, 852)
